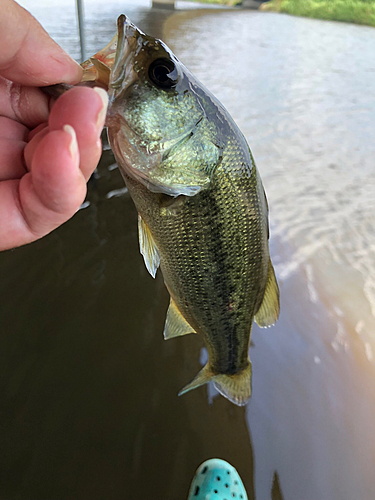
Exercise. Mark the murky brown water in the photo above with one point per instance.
(89, 388)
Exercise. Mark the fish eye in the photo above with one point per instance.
(163, 73)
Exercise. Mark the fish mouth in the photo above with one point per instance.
(108, 67)
(127, 35)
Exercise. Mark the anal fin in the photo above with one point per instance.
(175, 324)
(269, 310)
(148, 247)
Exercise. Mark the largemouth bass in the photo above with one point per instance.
(203, 214)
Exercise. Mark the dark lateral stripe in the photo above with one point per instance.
(224, 289)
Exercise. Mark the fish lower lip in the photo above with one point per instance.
(126, 34)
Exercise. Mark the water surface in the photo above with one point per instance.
(89, 404)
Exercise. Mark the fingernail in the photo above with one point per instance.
(74, 75)
(103, 110)
(73, 146)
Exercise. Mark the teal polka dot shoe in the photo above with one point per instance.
(215, 479)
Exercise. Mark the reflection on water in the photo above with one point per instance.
(310, 120)
(301, 91)
(89, 387)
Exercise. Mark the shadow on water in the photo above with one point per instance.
(89, 387)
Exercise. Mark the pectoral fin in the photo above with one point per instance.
(270, 308)
(175, 323)
(148, 247)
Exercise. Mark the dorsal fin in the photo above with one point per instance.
(148, 247)
(269, 310)
(175, 323)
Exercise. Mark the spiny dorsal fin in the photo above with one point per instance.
(148, 247)
(236, 388)
(175, 323)
(270, 308)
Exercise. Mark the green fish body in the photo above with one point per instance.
(203, 214)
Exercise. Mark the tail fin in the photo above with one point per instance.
(236, 388)
(204, 376)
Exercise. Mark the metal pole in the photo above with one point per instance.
(81, 28)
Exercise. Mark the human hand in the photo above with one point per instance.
(47, 151)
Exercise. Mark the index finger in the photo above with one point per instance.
(28, 54)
